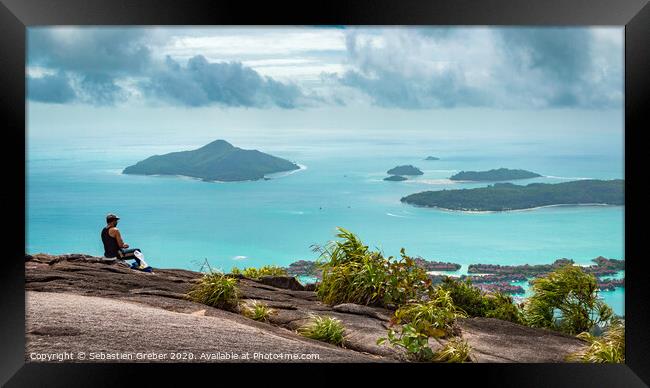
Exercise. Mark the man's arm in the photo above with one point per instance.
(118, 237)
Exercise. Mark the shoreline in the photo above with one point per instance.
(514, 210)
(461, 271)
(301, 167)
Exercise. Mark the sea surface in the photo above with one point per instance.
(182, 223)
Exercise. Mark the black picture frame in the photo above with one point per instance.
(17, 15)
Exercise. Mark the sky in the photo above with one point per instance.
(454, 81)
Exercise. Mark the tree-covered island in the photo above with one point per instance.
(500, 174)
(216, 161)
(395, 178)
(508, 196)
(405, 170)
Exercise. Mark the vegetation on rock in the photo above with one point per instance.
(324, 328)
(354, 274)
(257, 310)
(608, 348)
(455, 350)
(565, 300)
(414, 342)
(476, 303)
(434, 317)
(217, 290)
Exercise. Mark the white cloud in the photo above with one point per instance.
(256, 42)
(407, 67)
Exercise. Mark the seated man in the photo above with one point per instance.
(114, 246)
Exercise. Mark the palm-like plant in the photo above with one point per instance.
(354, 274)
(566, 300)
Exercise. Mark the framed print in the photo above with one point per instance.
(379, 188)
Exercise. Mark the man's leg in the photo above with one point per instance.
(129, 254)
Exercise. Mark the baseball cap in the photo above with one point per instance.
(111, 216)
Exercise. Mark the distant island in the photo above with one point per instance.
(501, 174)
(405, 170)
(216, 161)
(431, 158)
(508, 196)
(395, 178)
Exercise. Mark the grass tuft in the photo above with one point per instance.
(217, 290)
(609, 348)
(455, 350)
(258, 311)
(324, 328)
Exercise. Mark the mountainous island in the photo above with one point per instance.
(501, 174)
(395, 178)
(508, 196)
(431, 158)
(216, 161)
(405, 170)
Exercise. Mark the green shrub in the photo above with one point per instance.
(566, 300)
(455, 350)
(256, 273)
(324, 328)
(475, 303)
(354, 274)
(465, 296)
(608, 348)
(433, 318)
(501, 306)
(217, 290)
(414, 342)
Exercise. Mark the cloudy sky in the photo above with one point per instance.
(298, 71)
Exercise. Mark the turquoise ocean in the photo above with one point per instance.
(181, 222)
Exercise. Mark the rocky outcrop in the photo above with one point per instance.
(78, 303)
(287, 282)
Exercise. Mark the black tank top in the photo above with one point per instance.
(110, 244)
